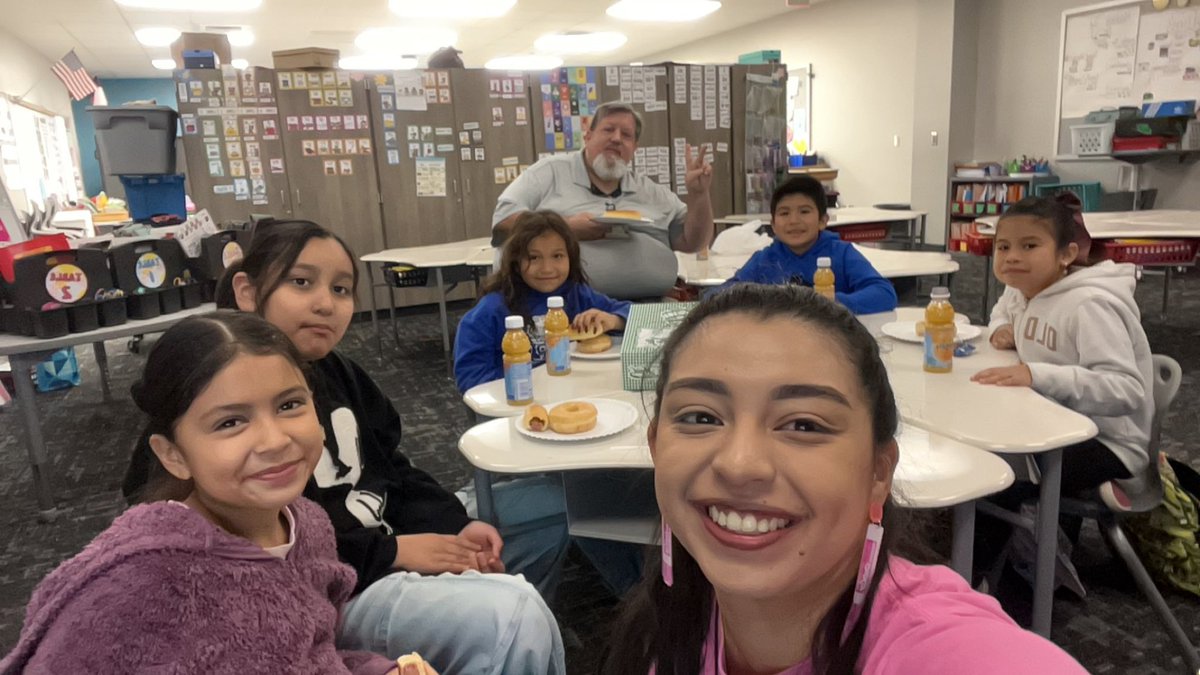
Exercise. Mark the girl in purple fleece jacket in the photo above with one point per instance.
(230, 570)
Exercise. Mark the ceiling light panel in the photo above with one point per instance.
(156, 36)
(662, 10)
(404, 40)
(242, 37)
(450, 9)
(525, 62)
(377, 62)
(580, 43)
(193, 5)
(163, 64)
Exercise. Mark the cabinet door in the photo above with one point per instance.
(493, 123)
(232, 142)
(328, 146)
(701, 114)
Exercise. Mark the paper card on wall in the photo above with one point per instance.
(190, 127)
(410, 91)
(497, 116)
(322, 146)
(222, 189)
(510, 161)
(445, 147)
(427, 150)
(212, 150)
(330, 167)
(276, 164)
(308, 123)
(722, 147)
(309, 147)
(519, 87)
(390, 139)
(470, 126)
(241, 189)
(414, 150)
(328, 78)
(210, 127)
(431, 96)
(443, 95)
(335, 123)
(314, 98)
(498, 175)
(521, 116)
(393, 156)
(343, 78)
(256, 169)
(431, 177)
(336, 147)
(264, 91)
(258, 189)
(285, 81)
(477, 135)
(346, 167)
(331, 98)
(216, 168)
(443, 78)
(412, 132)
(480, 155)
(322, 123)
(611, 75)
(181, 92)
(270, 130)
(443, 131)
(387, 102)
(233, 150)
(237, 168)
(510, 173)
(197, 88)
(464, 154)
(427, 133)
(230, 127)
(493, 88)
(506, 87)
(314, 80)
(351, 122)
(253, 151)
(389, 120)
(656, 106)
(351, 146)
(464, 138)
(250, 127)
(364, 146)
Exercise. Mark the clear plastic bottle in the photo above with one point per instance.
(558, 347)
(940, 332)
(518, 362)
(823, 281)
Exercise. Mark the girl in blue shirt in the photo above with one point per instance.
(540, 260)
(798, 219)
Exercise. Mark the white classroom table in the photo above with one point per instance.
(26, 352)
(440, 258)
(889, 263)
(850, 215)
(1003, 420)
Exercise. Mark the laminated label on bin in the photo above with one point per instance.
(646, 332)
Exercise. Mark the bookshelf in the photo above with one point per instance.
(971, 198)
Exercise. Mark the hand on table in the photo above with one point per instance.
(1003, 338)
(585, 228)
(1007, 376)
(437, 553)
(596, 321)
(488, 539)
(699, 175)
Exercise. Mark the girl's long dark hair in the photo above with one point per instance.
(667, 627)
(507, 280)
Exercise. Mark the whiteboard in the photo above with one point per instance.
(1123, 53)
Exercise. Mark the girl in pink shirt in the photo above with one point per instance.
(773, 438)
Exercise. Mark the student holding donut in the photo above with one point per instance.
(540, 260)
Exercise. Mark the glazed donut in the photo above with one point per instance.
(596, 345)
(578, 335)
(536, 418)
(573, 417)
(413, 664)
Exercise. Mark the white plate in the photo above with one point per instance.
(612, 417)
(613, 352)
(612, 220)
(907, 331)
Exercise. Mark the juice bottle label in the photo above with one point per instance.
(939, 347)
(518, 381)
(558, 354)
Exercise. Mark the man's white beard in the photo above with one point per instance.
(609, 169)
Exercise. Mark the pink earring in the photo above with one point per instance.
(866, 567)
(668, 569)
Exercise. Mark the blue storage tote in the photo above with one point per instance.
(1088, 193)
(149, 196)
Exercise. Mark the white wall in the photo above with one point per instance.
(25, 72)
(1016, 92)
(862, 53)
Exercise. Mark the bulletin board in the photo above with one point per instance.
(36, 159)
(1123, 53)
(799, 111)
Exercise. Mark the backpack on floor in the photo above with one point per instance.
(1166, 536)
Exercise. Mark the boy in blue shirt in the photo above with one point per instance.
(799, 217)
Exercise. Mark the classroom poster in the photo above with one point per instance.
(431, 176)
(1098, 60)
(569, 98)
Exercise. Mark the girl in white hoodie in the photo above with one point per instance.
(1078, 332)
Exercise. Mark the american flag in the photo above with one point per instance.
(75, 76)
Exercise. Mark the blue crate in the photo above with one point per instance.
(149, 196)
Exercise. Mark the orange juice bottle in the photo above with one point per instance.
(518, 362)
(558, 347)
(940, 332)
(823, 278)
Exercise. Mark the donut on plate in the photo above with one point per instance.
(573, 417)
(600, 343)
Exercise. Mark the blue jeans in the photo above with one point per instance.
(471, 623)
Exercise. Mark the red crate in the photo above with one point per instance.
(863, 232)
(1152, 251)
(1141, 143)
(979, 244)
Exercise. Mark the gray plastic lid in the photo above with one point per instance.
(940, 292)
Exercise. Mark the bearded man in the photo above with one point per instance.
(633, 261)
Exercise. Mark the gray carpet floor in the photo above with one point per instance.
(1112, 631)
